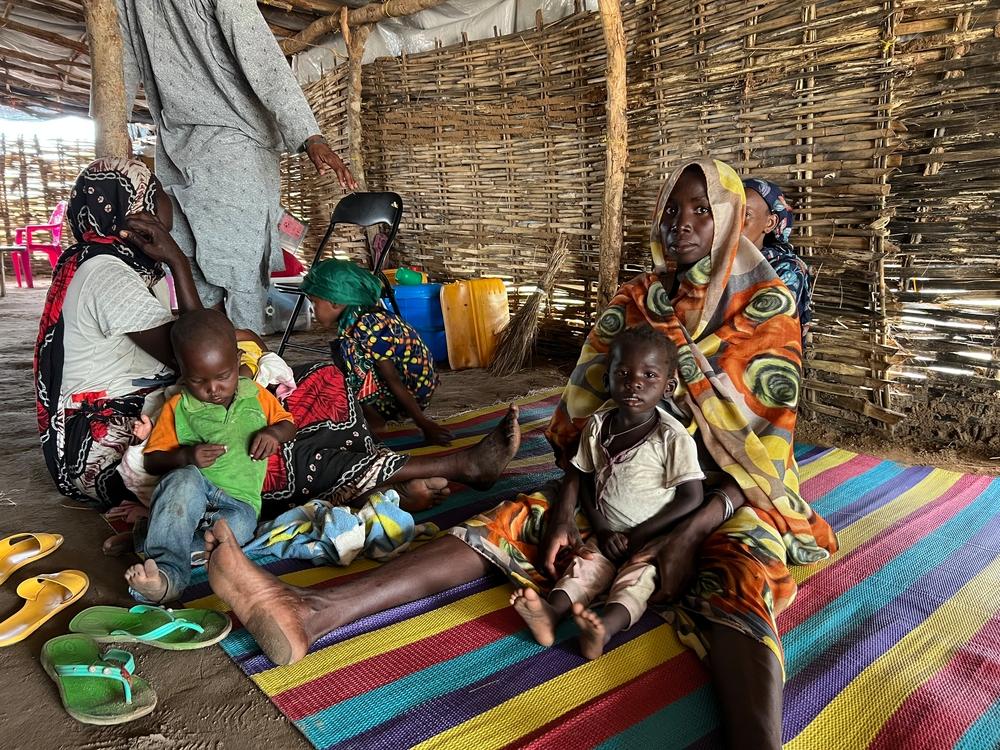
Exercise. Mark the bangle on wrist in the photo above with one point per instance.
(728, 508)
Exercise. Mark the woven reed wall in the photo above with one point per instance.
(943, 284)
(496, 145)
(34, 177)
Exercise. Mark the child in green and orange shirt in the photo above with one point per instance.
(211, 443)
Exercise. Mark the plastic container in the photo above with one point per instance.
(390, 273)
(420, 306)
(409, 277)
(278, 309)
(475, 312)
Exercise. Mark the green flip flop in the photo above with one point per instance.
(174, 630)
(96, 688)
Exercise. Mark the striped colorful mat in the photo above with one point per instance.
(895, 643)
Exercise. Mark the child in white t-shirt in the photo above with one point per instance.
(637, 474)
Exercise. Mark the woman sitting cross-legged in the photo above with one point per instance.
(722, 572)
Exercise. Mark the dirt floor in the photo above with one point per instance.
(205, 701)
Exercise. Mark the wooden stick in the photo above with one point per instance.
(49, 36)
(107, 78)
(356, 17)
(616, 154)
(355, 51)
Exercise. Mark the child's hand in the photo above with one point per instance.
(614, 545)
(142, 427)
(264, 444)
(205, 454)
(436, 434)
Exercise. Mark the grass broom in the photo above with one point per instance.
(517, 339)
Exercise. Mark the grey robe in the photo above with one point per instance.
(226, 106)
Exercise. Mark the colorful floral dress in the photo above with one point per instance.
(378, 335)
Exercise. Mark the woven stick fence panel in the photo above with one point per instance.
(497, 145)
(311, 196)
(944, 283)
(34, 176)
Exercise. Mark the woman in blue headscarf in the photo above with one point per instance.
(768, 225)
(388, 366)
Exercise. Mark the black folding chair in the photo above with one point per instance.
(363, 210)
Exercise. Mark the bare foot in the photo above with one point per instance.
(270, 610)
(484, 462)
(593, 635)
(148, 580)
(118, 544)
(421, 494)
(537, 614)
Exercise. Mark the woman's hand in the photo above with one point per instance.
(324, 159)
(558, 536)
(675, 555)
(436, 434)
(144, 232)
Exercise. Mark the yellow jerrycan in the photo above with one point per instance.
(475, 311)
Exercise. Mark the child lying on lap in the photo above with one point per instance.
(211, 443)
(636, 473)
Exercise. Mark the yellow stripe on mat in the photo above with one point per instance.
(534, 708)
(378, 642)
(860, 710)
(930, 488)
(831, 460)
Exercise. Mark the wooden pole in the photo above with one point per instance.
(616, 155)
(107, 79)
(371, 13)
(355, 51)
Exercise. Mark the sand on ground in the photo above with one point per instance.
(204, 701)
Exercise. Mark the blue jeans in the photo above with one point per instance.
(184, 505)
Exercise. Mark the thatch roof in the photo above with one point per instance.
(44, 57)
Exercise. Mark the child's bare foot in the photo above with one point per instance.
(268, 608)
(485, 461)
(537, 614)
(421, 494)
(118, 544)
(148, 580)
(593, 635)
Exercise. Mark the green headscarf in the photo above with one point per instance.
(342, 282)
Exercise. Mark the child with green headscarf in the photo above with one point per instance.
(387, 365)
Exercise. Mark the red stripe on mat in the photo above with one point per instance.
(941, 710)
(616, 710)
(828, 480)
(376, 671)
(871, 556)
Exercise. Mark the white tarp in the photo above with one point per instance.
(442, 25)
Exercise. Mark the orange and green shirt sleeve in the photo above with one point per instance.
(164, 434)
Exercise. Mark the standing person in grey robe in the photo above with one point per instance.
(226, 106)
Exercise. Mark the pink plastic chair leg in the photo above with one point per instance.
(26, 268)
(15, 262)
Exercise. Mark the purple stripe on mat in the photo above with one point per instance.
(819, 682)
(810, 454)
(878, 496)
(439, 714)
(257, 662)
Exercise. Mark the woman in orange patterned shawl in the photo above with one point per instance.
(739, 342)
